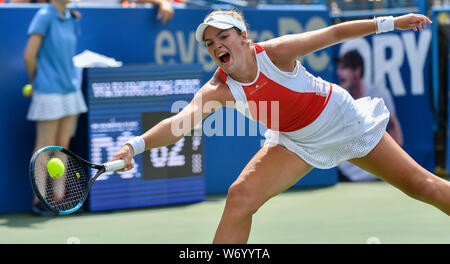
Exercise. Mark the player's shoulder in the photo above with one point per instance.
(271, 46)
(277, 52)
(219, 80)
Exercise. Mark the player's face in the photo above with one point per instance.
(225, 47)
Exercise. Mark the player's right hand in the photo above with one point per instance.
(126, 153)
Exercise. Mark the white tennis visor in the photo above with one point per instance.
(220, 21)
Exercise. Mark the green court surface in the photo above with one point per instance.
(356, 213)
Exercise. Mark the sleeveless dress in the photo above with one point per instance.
(317, 120)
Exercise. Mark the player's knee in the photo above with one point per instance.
(428, 191)
(422, 188)
(242, 199)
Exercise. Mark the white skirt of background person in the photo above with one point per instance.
(346, 129)
(46, 107)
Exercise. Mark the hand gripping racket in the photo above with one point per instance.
(67, 193)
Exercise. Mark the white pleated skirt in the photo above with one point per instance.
(55, 106)
(346, 129)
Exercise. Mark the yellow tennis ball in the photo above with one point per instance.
(27, 89)
(55, 168)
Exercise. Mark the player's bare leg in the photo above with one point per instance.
(391, 163)
(271, 171)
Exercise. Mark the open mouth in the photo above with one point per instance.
(224, 57)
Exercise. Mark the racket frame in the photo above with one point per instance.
(100, 169)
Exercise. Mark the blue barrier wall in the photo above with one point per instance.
(134, 36)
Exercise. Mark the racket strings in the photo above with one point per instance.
(66, 192)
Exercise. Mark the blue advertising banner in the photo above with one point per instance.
(138, 38)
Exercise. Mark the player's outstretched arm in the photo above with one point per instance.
(213, 95)
(286, 49)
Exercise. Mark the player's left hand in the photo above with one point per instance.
(412, 21)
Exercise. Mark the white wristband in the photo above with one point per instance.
(138, 145)
(385, 24)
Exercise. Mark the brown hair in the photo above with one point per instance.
(235, 13)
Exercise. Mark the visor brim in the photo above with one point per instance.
(202, 27)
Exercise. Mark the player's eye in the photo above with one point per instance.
(208, 43)
(223, 36)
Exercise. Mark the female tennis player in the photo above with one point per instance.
(318, 123)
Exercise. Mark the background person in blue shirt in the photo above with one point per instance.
(56, 100)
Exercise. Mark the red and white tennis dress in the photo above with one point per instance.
(315, 119)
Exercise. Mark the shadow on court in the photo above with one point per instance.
(23, 220)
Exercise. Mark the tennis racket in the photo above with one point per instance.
(66, 194)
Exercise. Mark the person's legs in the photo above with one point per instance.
(271, 171)
(54, 132)
(46, 132)
(65, 130)
(392, 164)
(63, 136)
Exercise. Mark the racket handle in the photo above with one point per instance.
(114, 165)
